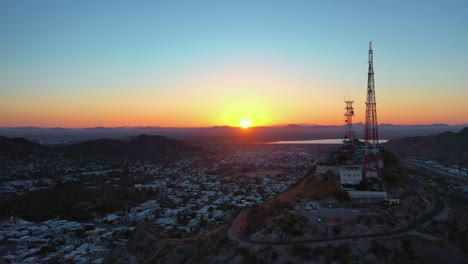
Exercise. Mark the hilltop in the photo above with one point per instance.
(142, 146)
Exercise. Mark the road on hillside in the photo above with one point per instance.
(422, 165)
(235, 231)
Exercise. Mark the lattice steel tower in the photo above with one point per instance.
(349, 133)
(371, 134)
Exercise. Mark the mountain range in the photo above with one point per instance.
(221, 133)
(447, 147)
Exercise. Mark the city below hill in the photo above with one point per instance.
(447, 147)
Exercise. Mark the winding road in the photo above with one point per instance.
(235, 231)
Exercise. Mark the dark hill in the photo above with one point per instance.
(446, 147)
(17, 146)
(99, 147)
(150, 142)
(143, 146)
(293, 126)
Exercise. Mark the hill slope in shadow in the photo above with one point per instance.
(446, 147)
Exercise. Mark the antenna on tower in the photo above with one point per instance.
(349, 133)
(371, 135)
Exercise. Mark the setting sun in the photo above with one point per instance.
(245, 123)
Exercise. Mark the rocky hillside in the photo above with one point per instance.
(17, 146)
(447, 147)
(148, 246)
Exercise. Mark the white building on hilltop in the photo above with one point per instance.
(351, 174)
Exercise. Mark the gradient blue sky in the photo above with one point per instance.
(200, 63)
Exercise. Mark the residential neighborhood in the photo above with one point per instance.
(184, 198)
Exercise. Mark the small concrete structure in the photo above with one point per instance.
(351, 174)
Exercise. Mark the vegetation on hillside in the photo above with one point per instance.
(392, 171)
(72, 201)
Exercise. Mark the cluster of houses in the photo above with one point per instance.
(191, 196)
(191, 199)
(56, 240)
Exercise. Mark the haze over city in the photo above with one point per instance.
(235, 63)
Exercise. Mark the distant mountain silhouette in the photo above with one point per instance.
(222, 133)
(294, 126)
(17, 146)
(142, 146)
(446, 147)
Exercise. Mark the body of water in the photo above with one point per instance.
(318, 141)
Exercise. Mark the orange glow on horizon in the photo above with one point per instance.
(224, 92)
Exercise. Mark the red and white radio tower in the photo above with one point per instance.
(349, 133)
(371, 135)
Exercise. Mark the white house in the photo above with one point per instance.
(351, 174)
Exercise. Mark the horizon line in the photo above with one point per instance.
(222, 126)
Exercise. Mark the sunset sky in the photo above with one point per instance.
(205, 63)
